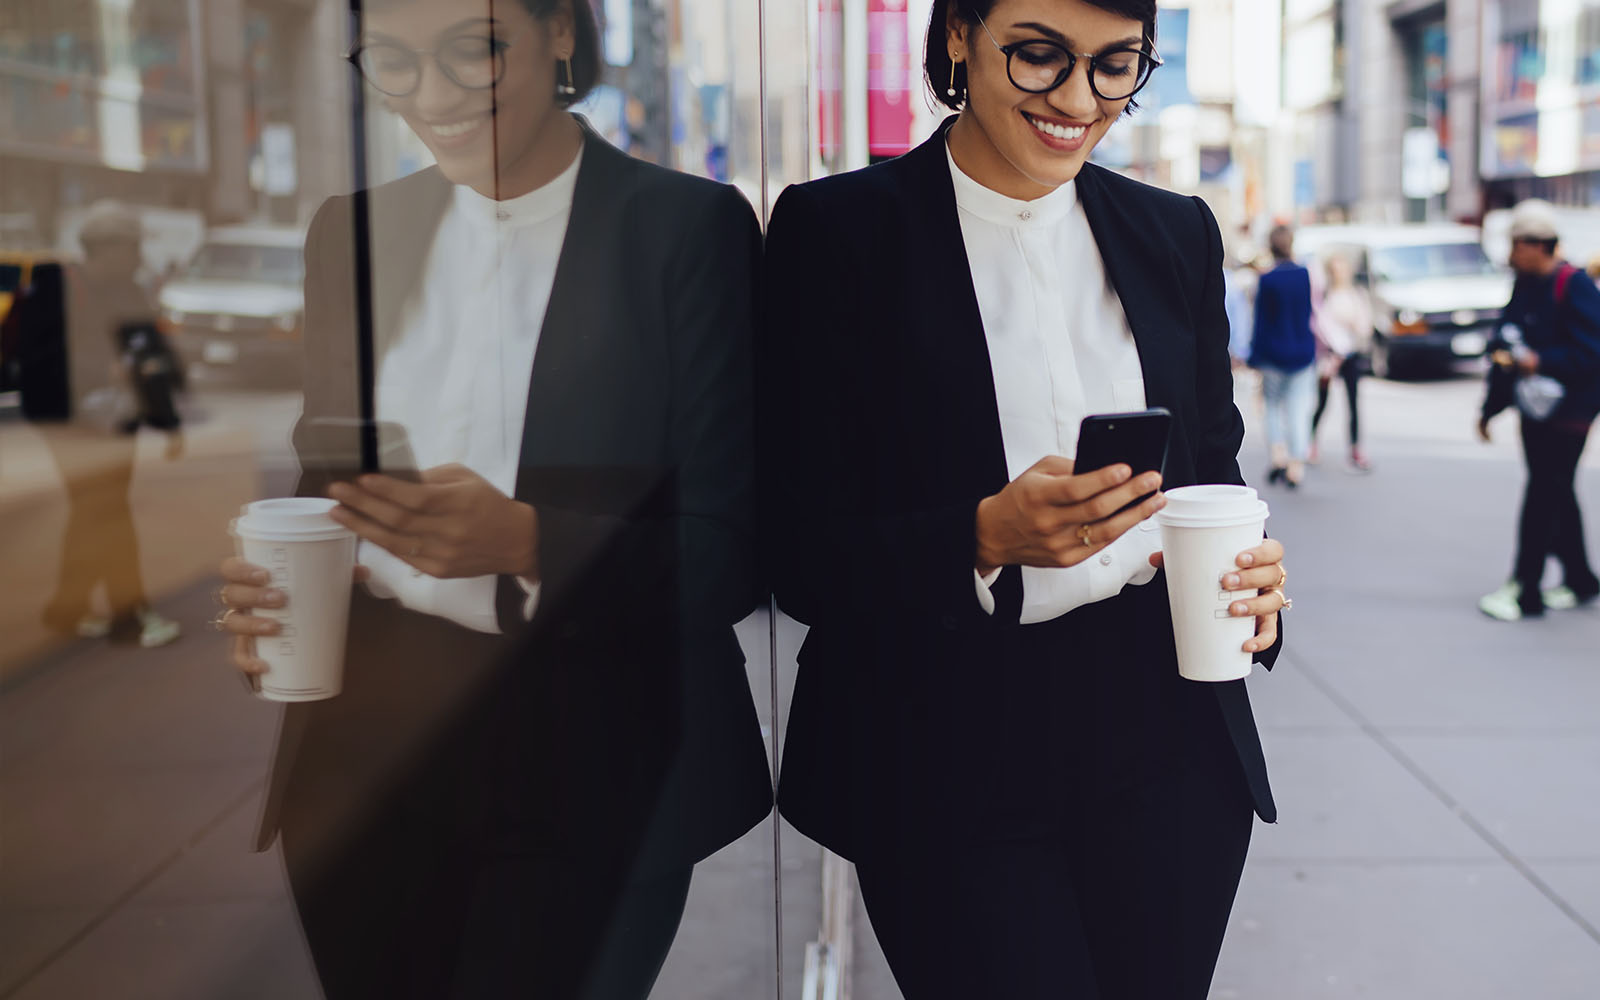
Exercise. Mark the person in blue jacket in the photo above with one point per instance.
(1551, 327)
(1282, 349)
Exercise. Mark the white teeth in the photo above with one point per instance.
(455, 128)
(1057, 131)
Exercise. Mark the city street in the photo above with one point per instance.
(1436, 771)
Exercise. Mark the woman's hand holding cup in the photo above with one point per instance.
(1050, 517)
(1259, 569)
(247, 587)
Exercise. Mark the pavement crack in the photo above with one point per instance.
(1438, 791)
(142, 883)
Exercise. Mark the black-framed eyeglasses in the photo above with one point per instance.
(473, 62)
(1039, 66)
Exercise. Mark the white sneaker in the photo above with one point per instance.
(93, 627)
(155, 630)
(1560, 598)
(1502, 604)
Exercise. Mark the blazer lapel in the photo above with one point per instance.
(1133, 263)
(589, 251)
(941, 283)
(404, 218)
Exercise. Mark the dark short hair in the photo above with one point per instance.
(1281, 241)
(936, 61)
(586, 62)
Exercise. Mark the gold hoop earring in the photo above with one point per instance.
(565, 87)
(952, 91)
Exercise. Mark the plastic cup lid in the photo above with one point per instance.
(1211, 505)
(304, 518)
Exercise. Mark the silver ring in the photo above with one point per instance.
(1288, 604)
(220, 623)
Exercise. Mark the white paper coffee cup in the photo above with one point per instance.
(1203, 530)
(311, 558)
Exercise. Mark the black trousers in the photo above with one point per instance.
(1350, 371)
(1132, 901)
(409, 879)
(390, 920)
(1551, 523)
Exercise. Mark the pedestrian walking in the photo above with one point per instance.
(1284, 350)
(988, 718)
(545, 722)
(84, 388)
(1344, 337)
(1547, 364)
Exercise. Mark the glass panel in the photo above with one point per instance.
(546, 762)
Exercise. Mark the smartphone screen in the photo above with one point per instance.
(329, 449)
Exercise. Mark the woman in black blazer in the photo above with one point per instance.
(1043, 809)
(514, 808)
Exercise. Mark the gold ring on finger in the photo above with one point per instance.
(220, 623)
(1083, 535)
(222, 596)
(1283, 576)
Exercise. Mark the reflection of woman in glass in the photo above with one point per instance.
(989, 718)
(545, 721)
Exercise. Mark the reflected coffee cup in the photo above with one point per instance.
(1203, 530)
(311, 558)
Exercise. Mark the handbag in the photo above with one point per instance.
(1538, 396)
(155, 373)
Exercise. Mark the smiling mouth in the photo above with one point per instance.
(1055, 131)
(456, 129)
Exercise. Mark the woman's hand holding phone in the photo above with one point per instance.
(452, 524)
(1050, 517)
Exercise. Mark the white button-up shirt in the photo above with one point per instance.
(1061, 349)
(456, 376)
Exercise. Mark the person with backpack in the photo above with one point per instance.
(1547, 363)
(80, 382)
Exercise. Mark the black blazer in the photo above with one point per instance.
(624, 701)
(915, 714)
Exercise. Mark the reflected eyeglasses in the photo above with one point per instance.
(1039, 66)
(472, 62)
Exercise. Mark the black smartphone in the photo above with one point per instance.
(1138, 440)
(329, 449)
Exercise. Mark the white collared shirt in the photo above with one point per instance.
(1061, 349)
(456, 376)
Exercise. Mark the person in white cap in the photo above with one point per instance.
(1547, 358)
(99, 548)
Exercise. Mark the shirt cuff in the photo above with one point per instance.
(983, 583)
(531, 603)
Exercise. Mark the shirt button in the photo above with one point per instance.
(1105, 559)
(1024, 215)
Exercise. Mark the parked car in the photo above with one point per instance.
(16, 271)
(236, 310)
(1436, 295)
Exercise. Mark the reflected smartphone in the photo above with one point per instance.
(1138, 439)
(329, 448)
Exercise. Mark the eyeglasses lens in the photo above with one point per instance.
(389, 68)
(1039, 67)
(473, 63)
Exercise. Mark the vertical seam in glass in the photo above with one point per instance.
(772, 603)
